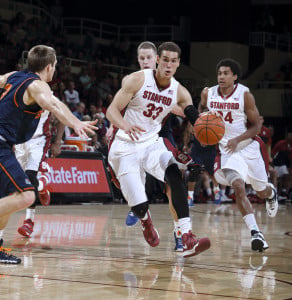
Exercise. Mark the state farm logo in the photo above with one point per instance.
(77, 176)
(72, 176)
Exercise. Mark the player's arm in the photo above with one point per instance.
(255, 121)
(129, 88)
(184, 100)
(39, 91)
(56, 145)
(203, 103)
(178, 111)
(253, 116)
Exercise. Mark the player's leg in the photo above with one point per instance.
(176, 231)
(133, 190)
(127, 167)
(173, 177)
(258, 174)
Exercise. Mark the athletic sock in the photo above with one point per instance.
(250, 222)
(30, 212)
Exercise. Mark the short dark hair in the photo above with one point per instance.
(169, 46)
(147, 45)
(39, 57)
(233, 65)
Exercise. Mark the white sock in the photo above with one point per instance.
(30, 212)
(273, 192)
(251, 222)
(176, 226)
(191, 194)
(185, 224)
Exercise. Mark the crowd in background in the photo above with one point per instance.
(89, 92)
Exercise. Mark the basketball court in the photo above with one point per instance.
(87, 252)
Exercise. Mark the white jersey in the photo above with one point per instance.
(232, 109)
(149, 106)
(43, 127)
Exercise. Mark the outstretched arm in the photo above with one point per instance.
(39, 91)
(121, 100)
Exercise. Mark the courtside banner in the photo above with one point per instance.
(76, 173)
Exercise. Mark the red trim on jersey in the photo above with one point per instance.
(14, 183)
(17, 105)
(161, 88)
(228, 96)
(114, 178)
(217, 161)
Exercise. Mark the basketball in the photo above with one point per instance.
(209, 128)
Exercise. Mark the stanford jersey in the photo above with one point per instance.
(149, 107)
(231, 107)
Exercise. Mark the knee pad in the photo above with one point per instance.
(173, 175)
(231, 175)
(194, 172)
(32, 175)
(140, 210)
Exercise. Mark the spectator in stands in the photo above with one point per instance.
(72, 96)
(92, 109)
(85, 81)
(282, 158)
(79, 111)
(266, 136)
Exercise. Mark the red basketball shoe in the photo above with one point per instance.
(193, 246)
(27, 228)
(45, 197)
(149, 231)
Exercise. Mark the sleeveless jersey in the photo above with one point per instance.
(232, 110)
(43, 127)
(149, 107)
(18, 121)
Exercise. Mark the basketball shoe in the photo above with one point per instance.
(150, 232)
(272, 205)
(44, 194)
(27, 228)
(193, 246)
(6, 258)
(131, 219)
(178, 241)
(258, 242)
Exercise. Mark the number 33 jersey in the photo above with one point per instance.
(231, 107)
(150, 106)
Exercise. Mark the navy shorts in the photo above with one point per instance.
(12, 177)
(204, 156)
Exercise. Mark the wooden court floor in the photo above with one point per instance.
(87, 252)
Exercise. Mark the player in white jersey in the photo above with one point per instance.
(239, 160)
(32, 156)
(146, 98)
(146, 56)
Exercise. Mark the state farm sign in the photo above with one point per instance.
(73, 175)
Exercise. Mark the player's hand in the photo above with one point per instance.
(215, 112)
(83, 127)
(109, 134)
(55, 149)
(134, 131)
(231, 145)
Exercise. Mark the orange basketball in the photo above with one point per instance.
(209, 129)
